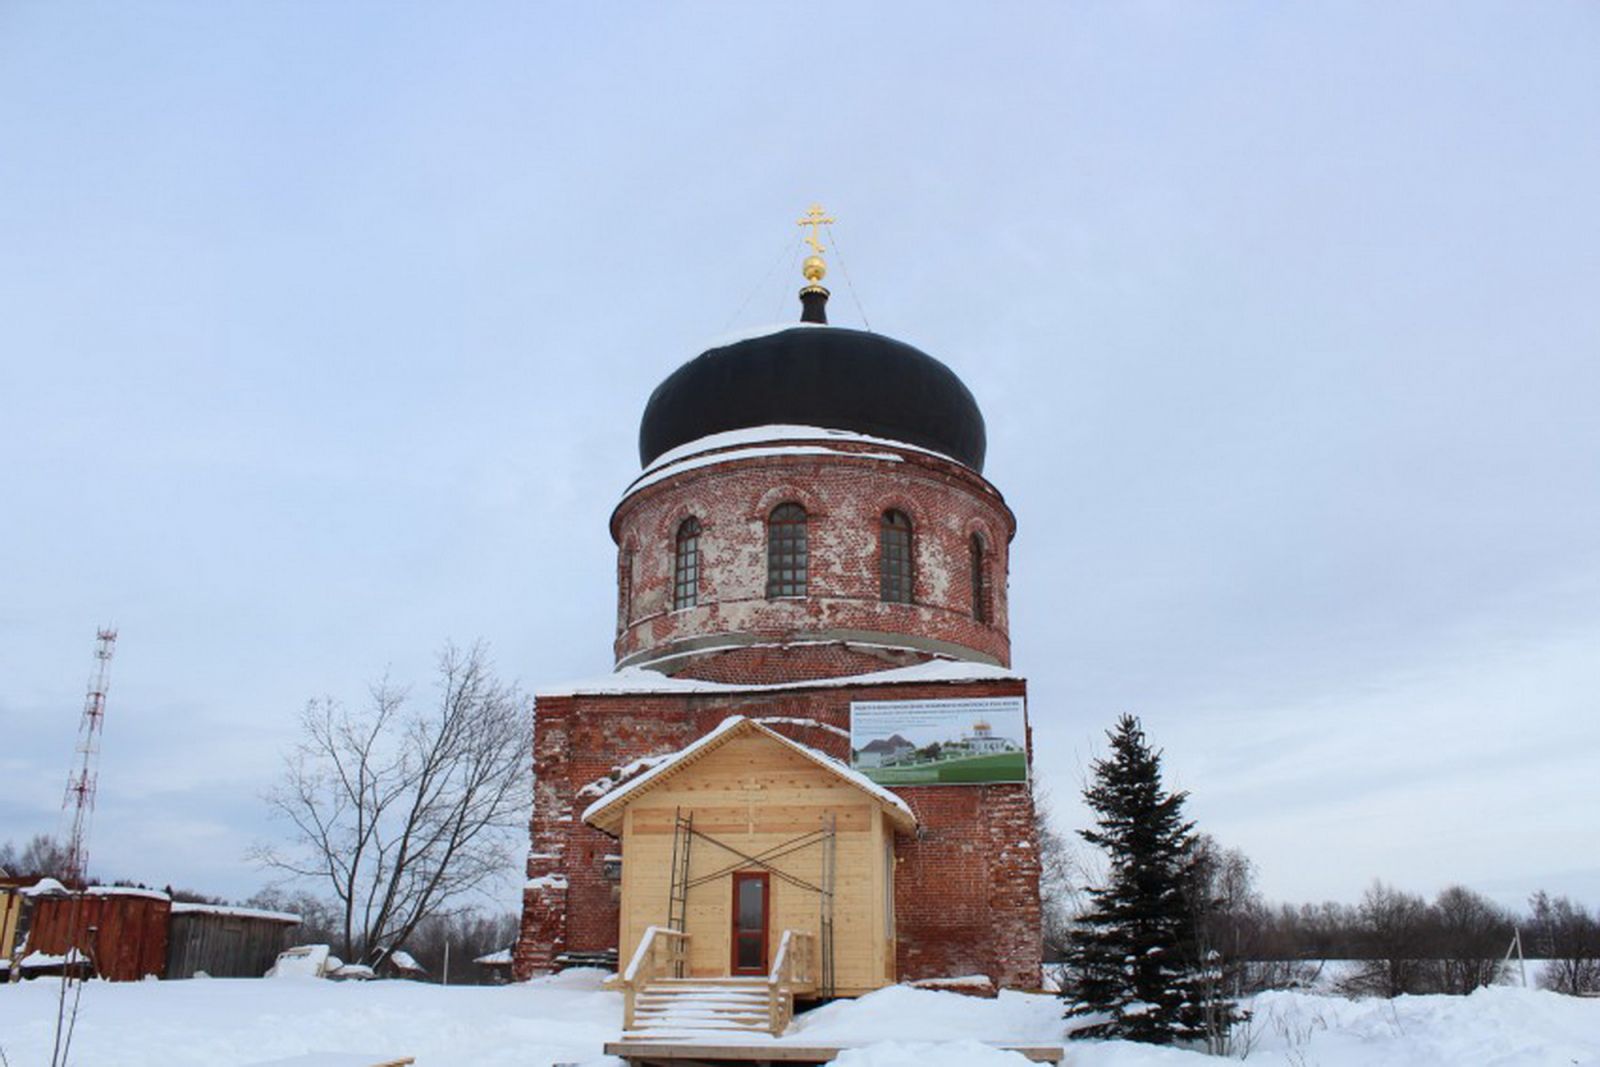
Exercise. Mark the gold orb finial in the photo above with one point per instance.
(815, 268)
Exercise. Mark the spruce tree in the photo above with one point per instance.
(1132, 967)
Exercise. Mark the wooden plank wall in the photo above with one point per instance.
(10, 916)
(755, 794)
(223, 946)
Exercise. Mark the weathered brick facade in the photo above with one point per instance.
(845, 488)
(967, 882)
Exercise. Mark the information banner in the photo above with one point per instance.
(940, 742)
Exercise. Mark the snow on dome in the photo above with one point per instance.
(761, 435)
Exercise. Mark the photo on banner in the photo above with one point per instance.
(940, 742)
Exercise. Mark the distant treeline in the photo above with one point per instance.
(1405, 943)
(1452, 944)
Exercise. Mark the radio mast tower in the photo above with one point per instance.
(81, 782)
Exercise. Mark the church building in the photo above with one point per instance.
(813, 745)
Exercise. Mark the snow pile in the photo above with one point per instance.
(928, 1054)
(302, 961)
(905, 1015)
(244, 1021)
(568, 1019)
(973, 985)
(1500, 1026)
(36, 959)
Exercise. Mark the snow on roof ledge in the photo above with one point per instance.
(180, 907)
(642, 680)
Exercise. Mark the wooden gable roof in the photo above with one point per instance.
(606, 813)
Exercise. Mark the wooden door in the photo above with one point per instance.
(751, 909)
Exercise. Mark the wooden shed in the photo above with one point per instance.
(122, 931)
(225, 942)
(11, 901)
(748, 848)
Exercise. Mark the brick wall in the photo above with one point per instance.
(967, 884)
(845, 491)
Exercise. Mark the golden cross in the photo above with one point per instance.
(815, 218)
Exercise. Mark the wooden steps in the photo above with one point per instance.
(669, 1008)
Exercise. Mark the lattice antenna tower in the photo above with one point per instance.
(81, 781)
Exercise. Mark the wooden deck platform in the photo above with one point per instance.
(685, 1054)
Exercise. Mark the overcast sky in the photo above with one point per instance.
(325, 331)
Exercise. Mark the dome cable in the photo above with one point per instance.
(783, 298)
(783, 253)
(838, 253)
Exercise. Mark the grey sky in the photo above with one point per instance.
(325, 330)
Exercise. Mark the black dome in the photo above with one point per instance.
(825, 376)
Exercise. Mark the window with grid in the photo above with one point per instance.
(686, 565)
(894, 558)
(786, 551)
(980, 581)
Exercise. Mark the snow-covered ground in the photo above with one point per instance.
(566, 1019)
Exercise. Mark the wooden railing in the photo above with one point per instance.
(662, 952)
(793, 971)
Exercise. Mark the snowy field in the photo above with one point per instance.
(566, 1019)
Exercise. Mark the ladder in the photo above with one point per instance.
(678, 890)
(825, 905)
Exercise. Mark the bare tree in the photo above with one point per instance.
(42, 856)
(398, 811)
(1569, 938)
(1060, 874)
(1395, 927)
(1470, 934)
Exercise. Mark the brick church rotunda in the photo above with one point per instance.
(812, 756)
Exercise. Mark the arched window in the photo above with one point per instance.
(686, 565)
(624, 589)
(894, 558)
(786, 551)
(980, 580)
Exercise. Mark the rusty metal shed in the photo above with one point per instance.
(122, 931)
